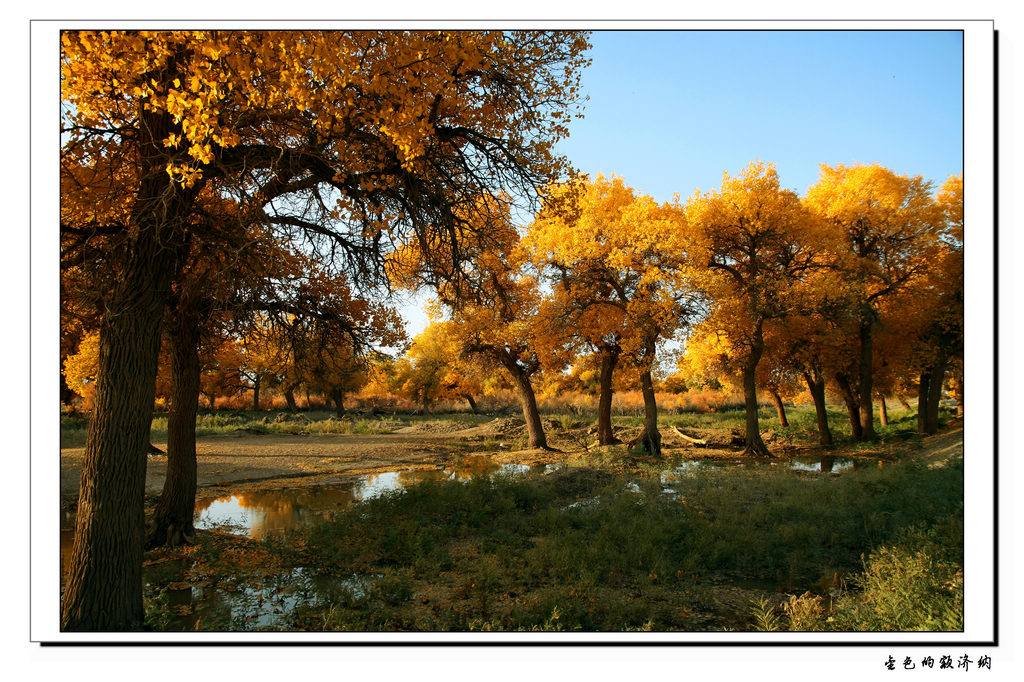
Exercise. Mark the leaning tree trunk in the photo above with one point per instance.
(816, 386)
(780, 408)
(650, 437)
(289, 397)
(609, 359)
(531, 415)
(472, 403)
(755, 446)
(850, 400)
(923, 388)
(883, 411)
(104, 582)
(171, 524)
(938, 375)
(867, 425)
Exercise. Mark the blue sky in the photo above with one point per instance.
(670, 111)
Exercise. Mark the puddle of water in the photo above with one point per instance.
(693, 467)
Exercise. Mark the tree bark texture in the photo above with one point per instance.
(755, 445)
(883, 411)
(850, 400)
(338, 398)
(780, 408)
(605, 434)
(649, 439)
(289, 398)
(816, 386)
(867, 421)
(104, 581)
(531, 415)
(171, 524)
(923, 388)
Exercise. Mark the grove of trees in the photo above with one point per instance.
(238, 206)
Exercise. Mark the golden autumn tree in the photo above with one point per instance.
(349, 139)
(435, 367)
(495, 313)
(942, 338)
(757, 242)
(329, 333)
(613, 260)
(885, 227)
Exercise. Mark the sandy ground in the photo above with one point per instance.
(244, 460)
(247, 461)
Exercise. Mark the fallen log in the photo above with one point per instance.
(693, 441)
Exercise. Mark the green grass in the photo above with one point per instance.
(317, 422)
(579, 550)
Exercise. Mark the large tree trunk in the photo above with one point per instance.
(338, 398)
(650, 437)
(755, 446)
(867, 421)
(816, 386)
(256, 393)
(171, 524)
(780, 408)
(938, 376)
(850, 400)
(531, 415)
(609, 359)
(883, 411)
(524, 388)
(923, 387)
(104, 583)
(472, 403)
(289, 397)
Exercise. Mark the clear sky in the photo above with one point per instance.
(670, 111)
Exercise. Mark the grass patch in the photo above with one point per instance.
(584, 549)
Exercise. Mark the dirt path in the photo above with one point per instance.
(266, 459)
(247, 461)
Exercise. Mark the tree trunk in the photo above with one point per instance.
(650, 438)
(883, 411)
(867, 425)
(816, 385)
(780, 409)
(938, 373)
(903, 402)
(472, 403)
(850, 400)
(923, 388)
(531, 415)
(256, 393)
(104, 584)
(755, 446)
(609, 359)
(171, 524)
(338, 398)
(289, 398)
